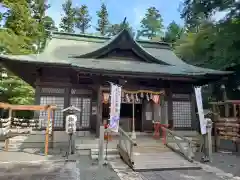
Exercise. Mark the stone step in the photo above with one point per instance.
(109, 151)
(83, 152)
(109, 156)
(86, 146)
(18, 139)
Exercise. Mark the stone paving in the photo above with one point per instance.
(48, 170)
(225, 166)
(30, 165)
(211, 171)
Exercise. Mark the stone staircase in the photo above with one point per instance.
(17, 143)
(111, 154)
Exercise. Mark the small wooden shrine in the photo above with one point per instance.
(226, 122)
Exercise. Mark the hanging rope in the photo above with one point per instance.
(144, 91)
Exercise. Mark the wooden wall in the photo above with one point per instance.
(65, 84)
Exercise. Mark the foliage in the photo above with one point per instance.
(49, 25)
(173, 33)
(67, 21)
(208, 43)
(18, 36)
(16, 91)
(116, 28)
(21, 23)
(38, 8)
(82, 18)
(103, 22)
(152, 23)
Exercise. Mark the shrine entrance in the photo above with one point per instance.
(126, 115)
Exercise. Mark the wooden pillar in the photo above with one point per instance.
(37, 96)
(47, 132)
(193, 112)
(37, 89)
(67, 97)
(99, 110)
(170, 107)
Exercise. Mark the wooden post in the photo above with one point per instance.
(209, 139)
(52, 134)
(47, 132)
(7, 139)
(226, 106)
(133, 136)
(99, 110)
(215, 118)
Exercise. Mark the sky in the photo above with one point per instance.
(134, 10)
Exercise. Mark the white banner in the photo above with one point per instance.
(198, 95)
(115, 106)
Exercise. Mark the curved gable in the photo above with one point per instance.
(122, 42)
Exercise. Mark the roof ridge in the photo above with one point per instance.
(57, 34)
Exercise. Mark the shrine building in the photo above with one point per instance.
(76, 69)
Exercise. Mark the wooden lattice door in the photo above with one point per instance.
(58, 115)
(84, 104)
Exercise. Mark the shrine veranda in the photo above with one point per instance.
(76, 70)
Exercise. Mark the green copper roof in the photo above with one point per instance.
(82, 51)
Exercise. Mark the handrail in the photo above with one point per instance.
(186, 153)
(176, 134)
(127, 136)
(125, 147)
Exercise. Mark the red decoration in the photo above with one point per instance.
(156, 98)
(107, 135)
(164, 133)
(157, 127)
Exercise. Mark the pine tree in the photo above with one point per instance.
(39, 8)
(116, 28)
(82, 19)
(173, 33)
(103, 20)
(20, 26)
(67, 21)
(152, 23)
(17, 38)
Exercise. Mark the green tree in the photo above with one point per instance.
(16, 91)
(103, 22)
(116, 28)
(17, 37)
(82, 18)
(173, 33)
(67, 21)
(49, 24)
(152, 23)
(39, 8)
(20, 24)
(214, 45)
(1, 18)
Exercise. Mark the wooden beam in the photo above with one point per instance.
(225, 102)
(26, 107)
